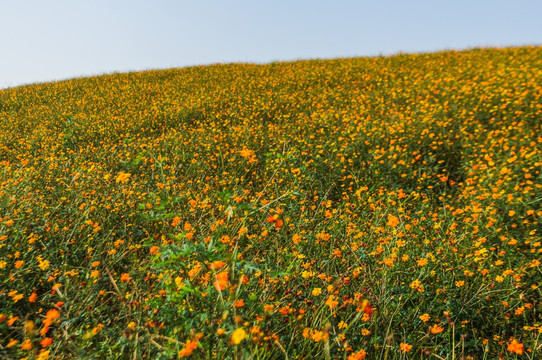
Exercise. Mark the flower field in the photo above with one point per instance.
(377, 208)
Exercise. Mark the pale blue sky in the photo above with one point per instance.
(44, 40)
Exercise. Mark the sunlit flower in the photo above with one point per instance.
(122, 177)
(435, 329)
(222, 281)
(238, 335)
(316, 291)
(360, 355)
(45, 342)
(190, 346)
(393, 221)
(515, 347)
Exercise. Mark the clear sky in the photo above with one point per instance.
(42, 40)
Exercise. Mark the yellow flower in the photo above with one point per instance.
(123, 177)
(43, 355)
(316, 291)
(425, 317)
(417, 285)
(319, 336)
(30, 327)
(422, 262)
(246, 153)
(43, 265)
(238, 335)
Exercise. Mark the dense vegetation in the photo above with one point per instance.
(379, 208)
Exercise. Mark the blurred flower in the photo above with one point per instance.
(238, 335)
(515, 347)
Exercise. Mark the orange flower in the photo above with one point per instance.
(217, 265)
(176, 221)
(515, 347)
(51, 316)
(44, 330)
(190, 346)
(125, 277)
(12, 319)
(154, 249)
(405, 347)
(278, 224)
(246, 153)
(12, 343)
(331, 302)
(366, 307)
(46, 342)
(32, 298)
(360, 355)
(26, 345)
(221, 282)
(285, 310)
(319, 336)
(393, 221)
(239, 303)
(55, 288)
(435, 329)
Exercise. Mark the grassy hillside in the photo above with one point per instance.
(379, 208)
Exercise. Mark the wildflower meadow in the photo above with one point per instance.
(359, 208)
